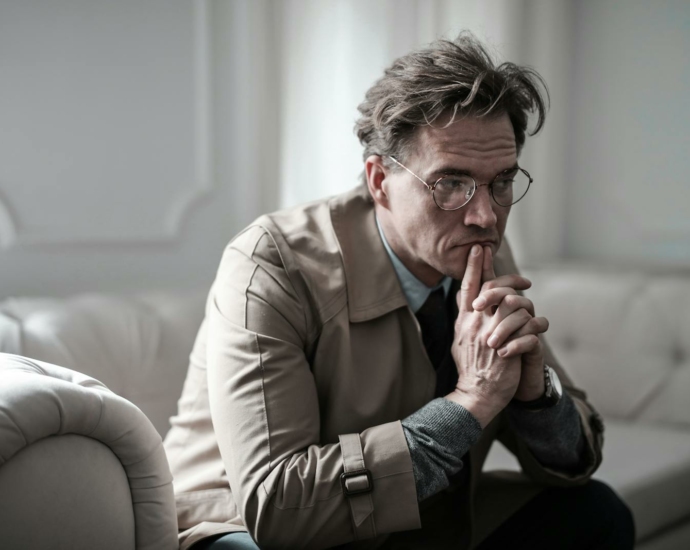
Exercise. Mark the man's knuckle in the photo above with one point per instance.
(512, 300)
(474, 323)
(526, 315)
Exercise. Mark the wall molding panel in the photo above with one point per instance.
(109, 136)
(8, 231)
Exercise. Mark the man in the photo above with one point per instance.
(360, 354)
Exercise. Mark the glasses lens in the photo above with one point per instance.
(453, 192)
(510, 187)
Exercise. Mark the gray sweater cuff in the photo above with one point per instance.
(438, 435)
(553, 435)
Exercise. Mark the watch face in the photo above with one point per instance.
(555, 382)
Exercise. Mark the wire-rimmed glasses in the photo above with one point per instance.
(453, 191)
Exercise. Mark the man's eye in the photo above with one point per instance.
(454, 184)
(501, 186)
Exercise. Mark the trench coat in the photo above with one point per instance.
(307, 360)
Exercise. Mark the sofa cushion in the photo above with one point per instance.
(623, 337)
(648, 465)
(671, 317)
(138, 346)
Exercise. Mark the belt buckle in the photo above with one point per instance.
(355, 473)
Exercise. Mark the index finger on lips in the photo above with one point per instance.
(472, 280)
(488, 273)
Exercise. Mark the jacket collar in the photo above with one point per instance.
(372, 285)
(415, 290)
(373, 288)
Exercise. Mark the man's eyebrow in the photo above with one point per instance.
(448, 172)
(452, 171)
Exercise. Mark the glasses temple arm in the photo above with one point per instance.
(410, 171)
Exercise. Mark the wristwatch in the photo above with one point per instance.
(552, 394)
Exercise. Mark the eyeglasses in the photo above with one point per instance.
(455, 191)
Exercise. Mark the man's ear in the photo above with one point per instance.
(375, 173)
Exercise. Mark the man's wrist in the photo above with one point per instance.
(483, 411)
(531, 392)
(550, 395)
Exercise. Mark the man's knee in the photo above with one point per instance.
(607, 518)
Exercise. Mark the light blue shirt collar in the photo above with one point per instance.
(415, 290)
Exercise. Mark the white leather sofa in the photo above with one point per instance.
(67, 444)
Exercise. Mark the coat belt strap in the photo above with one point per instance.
(357, 486)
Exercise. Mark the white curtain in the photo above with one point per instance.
(303, 66)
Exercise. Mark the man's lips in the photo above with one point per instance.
(482, 243)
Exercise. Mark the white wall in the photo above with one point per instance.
(628, 190)
(121, 162)
(138, 137)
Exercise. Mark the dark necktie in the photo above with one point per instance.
(436, 318)
(433, 320)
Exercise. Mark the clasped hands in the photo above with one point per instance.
(496, 347)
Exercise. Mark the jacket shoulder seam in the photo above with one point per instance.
(263, 401)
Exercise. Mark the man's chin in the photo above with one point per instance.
(454, 271)
(455, 263)
(455, 274)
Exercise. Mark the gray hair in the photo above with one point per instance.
(457, 77)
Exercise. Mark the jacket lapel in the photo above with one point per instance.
(373, 288)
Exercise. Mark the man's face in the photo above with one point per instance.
(432, 242)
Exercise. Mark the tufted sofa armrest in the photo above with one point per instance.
(79, 466)
(137, 345)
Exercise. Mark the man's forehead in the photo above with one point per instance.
(468, 138)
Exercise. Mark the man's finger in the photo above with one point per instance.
(524, 344)
(513, 303)
(513, 281)
(493, 297)
(488, 273)
(508, 326)
(536, 325)
(471, 281)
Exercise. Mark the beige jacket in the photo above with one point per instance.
(308, 338)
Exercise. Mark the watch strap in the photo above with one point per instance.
(550, 398)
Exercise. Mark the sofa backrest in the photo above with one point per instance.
(138, 346)
(623, 337)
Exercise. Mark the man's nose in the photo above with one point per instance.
(479, 211)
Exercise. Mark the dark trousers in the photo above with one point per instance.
(589, 517)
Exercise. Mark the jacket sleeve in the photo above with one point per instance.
(265, 413)
(591, 422)
(592, 432)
